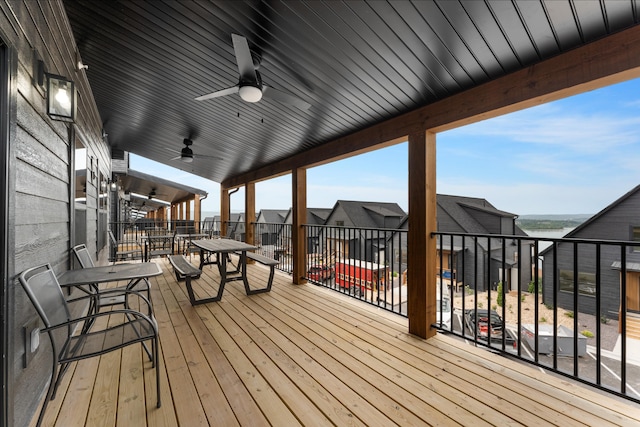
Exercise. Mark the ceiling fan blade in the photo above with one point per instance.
(205, 156)
(244, 59)
(284, 97)
(176, 158)
(222, 92)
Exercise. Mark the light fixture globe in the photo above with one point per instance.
(186, 155)
(250, 93)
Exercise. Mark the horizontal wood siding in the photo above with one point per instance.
(40, 215)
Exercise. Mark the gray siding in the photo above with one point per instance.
(41, 211)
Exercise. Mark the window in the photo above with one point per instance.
(340, 223)
(635, 236)
(586, 282)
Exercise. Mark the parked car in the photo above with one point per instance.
(320, 273)
(481, 318)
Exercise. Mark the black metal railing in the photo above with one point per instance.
(566, 305)
(274, 241)
(366, 263)
(133, 234)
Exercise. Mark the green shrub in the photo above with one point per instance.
(569, 314)
(532, 287)
(500, 296)
(523, 297)
(587, 333)
(543, 319)
(604, 319)
(494, 307)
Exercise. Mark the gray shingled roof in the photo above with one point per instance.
(273, 216)
(360, 213)
(318, 216)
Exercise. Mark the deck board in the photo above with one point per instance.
(304, 355)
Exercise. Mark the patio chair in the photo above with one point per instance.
(115, 296)
(124, 249)
(44, 291)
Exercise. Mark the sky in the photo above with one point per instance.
(572, 156)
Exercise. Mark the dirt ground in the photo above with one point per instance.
(608, 330)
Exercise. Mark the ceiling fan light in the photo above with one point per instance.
(187, 154)
(250, 93)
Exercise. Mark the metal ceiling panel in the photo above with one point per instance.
(356, 63)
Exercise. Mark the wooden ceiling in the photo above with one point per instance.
(357, 63)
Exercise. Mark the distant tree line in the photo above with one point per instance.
(547, 224)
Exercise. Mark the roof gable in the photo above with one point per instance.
(367, 214)
(472, 215)
(631, 195)
(272, 216)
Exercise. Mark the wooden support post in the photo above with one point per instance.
(187, 209)
(421, 305)
(250, 212)
(174, 212)
(299, 217)
(197, 214)
(225, 204)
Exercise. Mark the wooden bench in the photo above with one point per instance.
(269, 262)
(186, 271)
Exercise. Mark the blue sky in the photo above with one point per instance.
(573, 156)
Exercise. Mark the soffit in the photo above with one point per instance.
(356, 63)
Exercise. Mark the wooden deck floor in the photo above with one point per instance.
(302, 355)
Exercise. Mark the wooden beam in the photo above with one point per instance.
(250, 212)
(421, 250)
(225, 204)
(610, 60)
(299, 215)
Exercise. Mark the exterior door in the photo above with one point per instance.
(633, 292)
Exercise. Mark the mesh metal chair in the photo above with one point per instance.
(42, 287)
(113, 298)
(124, 249)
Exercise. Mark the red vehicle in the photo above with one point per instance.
(360, 276)
(320, 273)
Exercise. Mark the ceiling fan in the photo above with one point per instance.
(250, 86)
(187, 155)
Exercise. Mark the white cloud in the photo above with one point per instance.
(548, 124)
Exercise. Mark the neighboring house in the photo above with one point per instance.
(211, 226)
(461, 262)
(619, 221)
(269, 225)
(235, 226)
(483, 259)
(315, 217)
(365, 244)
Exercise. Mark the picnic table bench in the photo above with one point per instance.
(269, 262)
(186, 271)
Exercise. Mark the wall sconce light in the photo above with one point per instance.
(61, 98)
